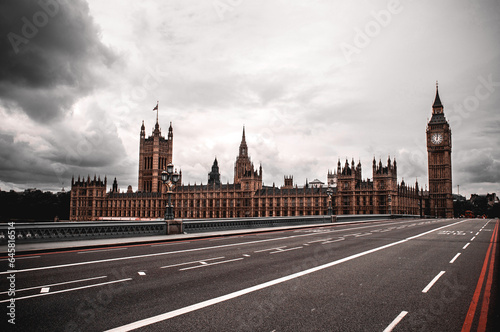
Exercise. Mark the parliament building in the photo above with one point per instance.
(248, 197)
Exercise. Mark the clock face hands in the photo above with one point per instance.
(436, 138)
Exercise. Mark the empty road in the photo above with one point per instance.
(400, 275)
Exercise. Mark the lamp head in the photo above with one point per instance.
(170, 168)
(164, 176)
(175, 177)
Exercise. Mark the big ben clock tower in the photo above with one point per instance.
(439, 161)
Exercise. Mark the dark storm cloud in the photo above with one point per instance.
(54, 155)
(51, 55)
(18, 163)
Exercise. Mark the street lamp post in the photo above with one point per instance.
(169, 178)
(329, 192)
(420, 205)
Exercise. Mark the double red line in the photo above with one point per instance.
(483, 317)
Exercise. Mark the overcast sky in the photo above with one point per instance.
(311, 81)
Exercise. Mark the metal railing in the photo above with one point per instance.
(210, 225)
(87, 230)
(82, 230)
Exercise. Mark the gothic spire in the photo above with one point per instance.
(243, 145)
(437, 100)
(170, 131)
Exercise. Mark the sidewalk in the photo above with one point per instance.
(30, 248)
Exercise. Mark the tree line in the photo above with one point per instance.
(33, 205)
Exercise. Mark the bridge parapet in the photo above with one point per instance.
(90, 230)
(84, 230)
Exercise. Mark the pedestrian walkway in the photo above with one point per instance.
(27, 248)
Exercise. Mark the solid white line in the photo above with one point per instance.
(395, 321)
(433, 281)
(186, 263)
(6, 259)
(433, 230)
(201, 305)
(183, 251)
(466, 245)
(454, 258)
(57, 284)
(27, 257)
(197, 306)
(206, 264)
(67, 290)
(167, 244)
(100, 250)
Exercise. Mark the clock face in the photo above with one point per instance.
(436, 138)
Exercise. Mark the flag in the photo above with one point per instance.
(156, 107)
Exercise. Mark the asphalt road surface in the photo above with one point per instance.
(401, 275)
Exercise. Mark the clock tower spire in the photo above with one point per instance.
(439, 161)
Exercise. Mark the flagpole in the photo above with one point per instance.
(157, 111)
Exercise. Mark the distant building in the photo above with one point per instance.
(490, 199)
(248, 197)
(316, 184)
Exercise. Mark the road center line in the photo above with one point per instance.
(67, 290)
(473, 238)
(187, 263)
(283, 250)
(223, 298)
(433, 281)
(57, 284)
(466, 245)
(454, 258)
(210, 264)
(395, 321)
(269, 249)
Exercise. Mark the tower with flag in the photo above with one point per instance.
(155, 153)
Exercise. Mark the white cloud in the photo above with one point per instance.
(277, 68)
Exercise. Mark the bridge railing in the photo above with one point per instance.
(210, 225)
(87, 230)
(84, 230)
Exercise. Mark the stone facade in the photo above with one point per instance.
(248, 197)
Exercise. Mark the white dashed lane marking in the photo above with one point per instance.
(454, 258)
(433, 281)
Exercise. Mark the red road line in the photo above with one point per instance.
(486, 297)
(473, 304)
